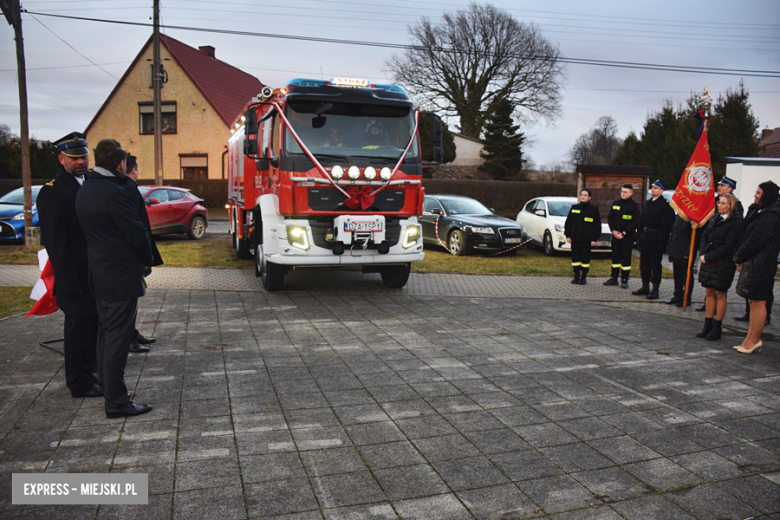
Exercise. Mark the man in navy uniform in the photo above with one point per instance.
(119, 251)
(655, 225)
(582, 230)
(67, 248)
(623, 218)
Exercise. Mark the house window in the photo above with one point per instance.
(146, 117)
(195, 167)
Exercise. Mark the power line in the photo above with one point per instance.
(573, 61)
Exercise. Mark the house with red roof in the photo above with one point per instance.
(200, 101)
(770, 143)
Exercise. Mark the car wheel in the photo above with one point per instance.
(549, 250)
(396, 275)
(271, 274)
(197, 228)
(457, 243)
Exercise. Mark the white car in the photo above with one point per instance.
(544, 218)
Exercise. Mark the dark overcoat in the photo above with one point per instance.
(758, 253)
(655, 224)
(719, 243)
(65, 243)
(119, 247)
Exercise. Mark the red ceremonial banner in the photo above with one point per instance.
(694, 198)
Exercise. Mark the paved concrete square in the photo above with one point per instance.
(457, 397)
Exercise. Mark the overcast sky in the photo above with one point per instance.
(73, 65)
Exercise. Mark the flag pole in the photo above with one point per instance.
(688, 274)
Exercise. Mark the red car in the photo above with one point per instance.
(175, 210)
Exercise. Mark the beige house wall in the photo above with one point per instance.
(200, 130)
(467, 152)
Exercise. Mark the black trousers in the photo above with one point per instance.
(650, 266)
(622, 251)
(680, 275)
(580, 255)
(117, 320)
(80, 346)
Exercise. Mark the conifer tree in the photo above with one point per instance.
(502, 144)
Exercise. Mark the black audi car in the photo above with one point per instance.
(467, 226)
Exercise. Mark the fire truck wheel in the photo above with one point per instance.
(458, 243)
(197, 228)
(396, 275)
(272, 274)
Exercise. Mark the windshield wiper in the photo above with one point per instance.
(331, 156)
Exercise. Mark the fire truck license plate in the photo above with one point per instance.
(363, 226)
(513, 240)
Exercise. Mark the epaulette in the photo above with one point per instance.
(51, 182)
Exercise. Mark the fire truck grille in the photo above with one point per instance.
(329, 199)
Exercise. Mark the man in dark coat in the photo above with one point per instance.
(679, 254)
(67, 248)
(582, 230)
(119, 251)
(140, 344)
(655, 224)
(623, 218)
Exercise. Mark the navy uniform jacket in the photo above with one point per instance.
(118, 246)
(583, 223)
(138, 200)
(624, 216)
(655, 225)
(65, 243)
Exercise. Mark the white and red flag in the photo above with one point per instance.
(43, 290)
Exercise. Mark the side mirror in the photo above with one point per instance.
(153, 201)
(540, 212)
(438, 131)
(492, 210)
(436, 211)
(250, 124)
(274, 162)
(250, 146)
(438, 154)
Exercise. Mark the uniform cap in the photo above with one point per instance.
(659, 184)
(729, 182)
(73, 145)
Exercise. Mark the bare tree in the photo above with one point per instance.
(599, 145)
(476, 57)
(6, 134)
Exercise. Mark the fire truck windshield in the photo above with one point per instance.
(350, 129)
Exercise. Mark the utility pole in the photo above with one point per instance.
(157, 86)
(12, 12)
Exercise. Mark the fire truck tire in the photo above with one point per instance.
(271, 274)
(396, 275)
(457, 243)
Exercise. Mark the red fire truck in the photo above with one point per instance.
(328, 173)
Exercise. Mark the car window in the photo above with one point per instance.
(430, 205)
(464, 206)
(17, 196)
(161, 195)
(539, 206)
(559, 208)
(529, 207)
(176, 194)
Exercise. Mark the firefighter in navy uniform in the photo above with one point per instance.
(623, 219)
(67, 248)
(582, 230)
(655, 225)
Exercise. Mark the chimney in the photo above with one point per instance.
(766, 132)
(208, 50)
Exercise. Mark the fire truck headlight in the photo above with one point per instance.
(298, 237)
(353, 173)
(385, 173)
(411, 236)
(337, 172)
(369, 173)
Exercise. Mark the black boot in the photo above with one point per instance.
(624, 283)
(611, 281)
(702, 308)
(716, 331)
(645, 289)
(583, 277)
(744, 317)
(576, 279)
(707, 328)
(654, 293)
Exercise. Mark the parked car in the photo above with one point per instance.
(466, 225)
(544, 219)
(175, 210)
(12, 213)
